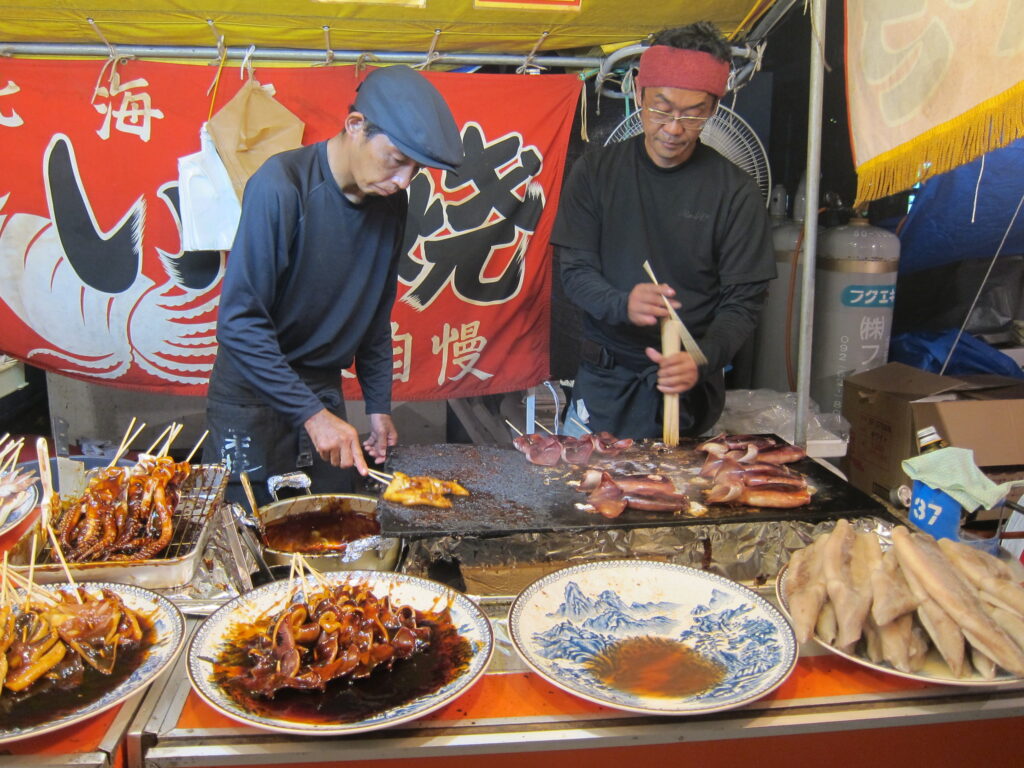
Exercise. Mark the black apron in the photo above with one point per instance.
(627, 403)
(248, 435)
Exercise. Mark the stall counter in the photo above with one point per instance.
(828, 712)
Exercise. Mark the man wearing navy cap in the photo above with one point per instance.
(309, 286)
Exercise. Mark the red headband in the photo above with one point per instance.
(663, 66)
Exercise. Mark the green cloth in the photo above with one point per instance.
(953, 470)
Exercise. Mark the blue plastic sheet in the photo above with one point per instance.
(928, 351)
(939, 228)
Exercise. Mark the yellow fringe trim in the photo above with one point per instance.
(992, 124)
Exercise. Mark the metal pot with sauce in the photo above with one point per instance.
(333, 531)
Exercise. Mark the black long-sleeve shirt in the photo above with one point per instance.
(310, 283)
(703, 227)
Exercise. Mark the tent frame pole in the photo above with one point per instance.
(313, 55)
(813, 178)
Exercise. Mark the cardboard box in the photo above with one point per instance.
(886, 407)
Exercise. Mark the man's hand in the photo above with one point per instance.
(383, 435)
(645, 304)
(335, 440)
(676, 373)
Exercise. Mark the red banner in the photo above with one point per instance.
(93, 280)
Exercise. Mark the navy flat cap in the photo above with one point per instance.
(413, 114)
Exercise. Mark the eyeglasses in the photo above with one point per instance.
(666, 118)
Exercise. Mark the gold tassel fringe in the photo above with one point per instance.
(992, 124)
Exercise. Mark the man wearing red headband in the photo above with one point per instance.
(665, 198)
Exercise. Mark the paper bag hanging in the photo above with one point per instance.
(250, 128)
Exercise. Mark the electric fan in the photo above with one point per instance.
(728, 134)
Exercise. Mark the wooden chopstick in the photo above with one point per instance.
(380, 477)
(689, 343)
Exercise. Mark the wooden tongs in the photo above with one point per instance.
(674, 337)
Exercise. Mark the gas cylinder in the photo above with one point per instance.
(854, 293)
(770, 336)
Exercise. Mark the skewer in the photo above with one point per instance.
(3, 582)
(15, 446)
(159, 437)
(581, 425)
(199, 442)
(123, 448)
(31, 571)
(514, 428)
(18, 580)
(13, 463)
(125, 440)
(4, 438)
(45, 480)
(688, 341)
(63, 563)
(314, 573)
(171, 438)
(243, 477)
(544, 428)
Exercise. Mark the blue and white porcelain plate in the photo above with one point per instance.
(567, 621)
(421, 594)
(168, 640)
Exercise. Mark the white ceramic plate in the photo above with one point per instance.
(20, 512)
(421, 594)
(562, 621)
(935, 670)
(169, 639)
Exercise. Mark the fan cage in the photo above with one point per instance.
(728, 134)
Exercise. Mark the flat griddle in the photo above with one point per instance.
(509, 495)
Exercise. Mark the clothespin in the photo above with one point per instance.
(432, 54)
(328, 51)
(528, 63)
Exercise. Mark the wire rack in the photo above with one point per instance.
(199, 497)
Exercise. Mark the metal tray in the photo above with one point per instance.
(174, 567)
(510, 495)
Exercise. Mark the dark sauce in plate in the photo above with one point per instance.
(323, 531)
(348, 701)
(44, 702)
(657, 667)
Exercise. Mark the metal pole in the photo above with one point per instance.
(814, 106)
(312, 55)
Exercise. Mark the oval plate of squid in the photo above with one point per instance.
(927, 610)
(339, 653)
(72, 655)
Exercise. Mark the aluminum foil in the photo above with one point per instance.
(749, 553)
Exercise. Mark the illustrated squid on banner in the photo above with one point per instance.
(83, 290)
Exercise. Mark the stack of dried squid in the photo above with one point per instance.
(890, 606)
(125, 513)
(50, 640)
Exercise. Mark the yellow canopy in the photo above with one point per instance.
(491, 26)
